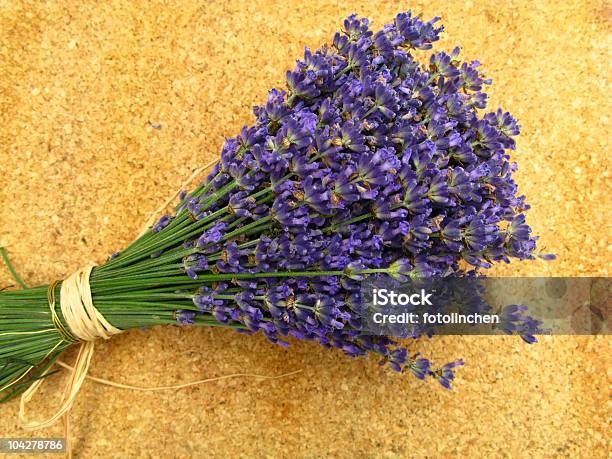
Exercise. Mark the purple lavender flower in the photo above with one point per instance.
(514, 320)
(185, 317)
(446, 374)
(369, 164)
(420, 367)
(162, 223)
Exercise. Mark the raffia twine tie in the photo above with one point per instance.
(85, 324)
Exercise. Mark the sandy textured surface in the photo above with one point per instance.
(82, 166)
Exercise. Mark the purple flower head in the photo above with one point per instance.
(185, 317)
(241, 203)
(438, 190)
(401, 268)
(514, 320)
(396, 359)
(420, 367)
(193, 264)
(416, 33)
(445, 65)
(162, 223)
(446, 374)
(205, 300)
(212, 235)
(301, 85)
(354, 30)
(274, 111)
(472, 79)
(371, 164)
(451, 236)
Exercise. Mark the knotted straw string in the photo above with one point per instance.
(84, 324)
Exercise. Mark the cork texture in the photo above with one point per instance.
(106, 107)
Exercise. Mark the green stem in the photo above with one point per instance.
(7, 262)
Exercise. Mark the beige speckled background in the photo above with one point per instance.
(82, 167)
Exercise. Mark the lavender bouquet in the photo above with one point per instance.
(369, 164)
